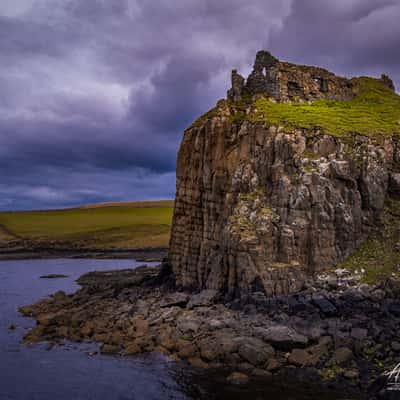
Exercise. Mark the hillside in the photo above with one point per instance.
(112, 227)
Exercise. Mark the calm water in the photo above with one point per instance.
(69, 373)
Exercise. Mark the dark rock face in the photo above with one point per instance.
(388, 82)
(260, 208)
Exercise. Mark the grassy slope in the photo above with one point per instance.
(381, 249)
(135, 204)
(127, 226)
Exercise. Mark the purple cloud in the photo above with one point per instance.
(96, 93)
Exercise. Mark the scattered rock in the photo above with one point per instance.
(394, 308)
(53, 276)
(209, 349)
(352, 296)
(187, 350)
(395, 346)
(251, 340)
(198, 363)
(272, 364)
(377, 295)
(255, 351)
(132, 348)
(178, 299)
(109, 349)
(187, 324)
(246, 368)
(307, 357)
(202, 299)
(325, 306)
(261, 373)
(60, 295)
(237, 378)
(342, 355)
(359, 333)
(140, 325)
(351, 373)
(282, 337)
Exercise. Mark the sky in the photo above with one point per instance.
(95, 94)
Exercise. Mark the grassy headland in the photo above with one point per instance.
(103, 227)
(375, 111)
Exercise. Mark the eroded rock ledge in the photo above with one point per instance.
(337, 329)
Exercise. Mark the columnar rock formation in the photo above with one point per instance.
(260, 206)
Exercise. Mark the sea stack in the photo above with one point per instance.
(283, 179)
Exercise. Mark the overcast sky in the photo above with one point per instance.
(95, 94)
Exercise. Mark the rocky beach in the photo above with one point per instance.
(337, 331)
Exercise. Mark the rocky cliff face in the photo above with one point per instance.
(262, 206)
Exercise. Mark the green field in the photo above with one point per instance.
(104, 226)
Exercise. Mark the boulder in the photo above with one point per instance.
(186, 349)
(359, 333)
(53, 276)
(395, 346)
(308, 357)
(394, 308)
(237, 378)
(325, 306)
(188, 324)
(109, 348)
(141, 326)
(209, 349)
(132, 348)
(261, 373)
(352, 373)
(394, 184)
(272, 364)
(204, 298)
(197, 362)
(178, 299)
(255, 351)
(282, 337)
(301, 358)
(342, 355)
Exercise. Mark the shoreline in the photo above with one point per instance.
(335, 333)
(145, 254)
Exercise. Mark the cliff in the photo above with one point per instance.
(283, 179)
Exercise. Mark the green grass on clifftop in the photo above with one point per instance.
(105, 226)
(375, 111)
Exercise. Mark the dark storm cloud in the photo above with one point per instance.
(95, 94)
